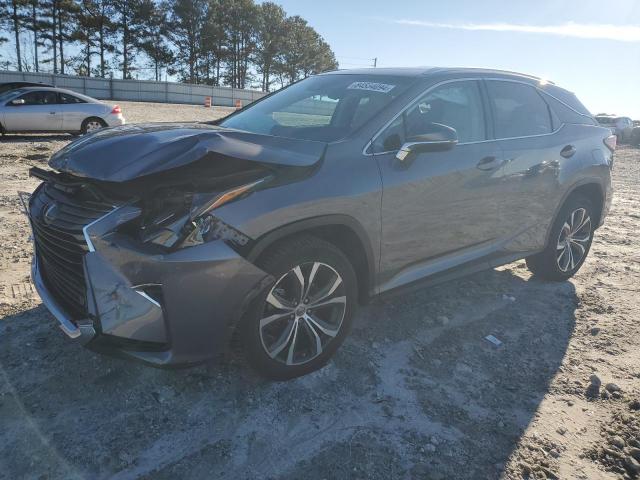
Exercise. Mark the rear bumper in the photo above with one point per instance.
(114, 120)
(607, 194)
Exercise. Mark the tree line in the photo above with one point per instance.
(237, 43)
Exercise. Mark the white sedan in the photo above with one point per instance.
(41, 109)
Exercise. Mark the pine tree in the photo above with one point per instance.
(127, 24)
(13, 14)
(85, 33)
(34, 24)
(154, 31)
(271, 39)
(214, 42)
(241, 17)
(186, 26)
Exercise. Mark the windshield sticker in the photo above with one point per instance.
(372, 86)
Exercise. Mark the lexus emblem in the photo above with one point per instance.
(50, 214)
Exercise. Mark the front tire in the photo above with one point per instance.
(298, 323)
(569, 241)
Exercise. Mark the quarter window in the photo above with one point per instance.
(66, 98)
(561, 113)
(518, 110)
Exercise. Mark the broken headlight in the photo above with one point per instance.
(186, 219)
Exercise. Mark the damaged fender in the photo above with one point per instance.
(139, 295)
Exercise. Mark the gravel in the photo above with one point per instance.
(432, 399)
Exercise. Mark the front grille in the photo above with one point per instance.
(58, 217)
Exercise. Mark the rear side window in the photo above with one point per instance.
(518, 110)
(66, 98)
(563, 114)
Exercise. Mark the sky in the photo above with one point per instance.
(589, 47)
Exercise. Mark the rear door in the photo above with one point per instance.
(441, 204)
(533, 151)
(39, 112)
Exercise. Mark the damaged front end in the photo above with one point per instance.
(143, 267)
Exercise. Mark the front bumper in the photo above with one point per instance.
(81, 331)
(165, 309)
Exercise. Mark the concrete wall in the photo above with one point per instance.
(139, 90)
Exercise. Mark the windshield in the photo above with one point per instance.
(11, 93)
(324, 108)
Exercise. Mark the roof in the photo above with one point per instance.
(46, 88)
(57, 89)
(424, 71)
(402, 72)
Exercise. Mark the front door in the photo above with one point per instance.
(39, 112)
(442, 204)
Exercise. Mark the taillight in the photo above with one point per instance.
(611, 141)
(116, 109)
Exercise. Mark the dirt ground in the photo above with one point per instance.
(415, 392)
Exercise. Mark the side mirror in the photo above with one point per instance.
(17, 101)
(440, 138)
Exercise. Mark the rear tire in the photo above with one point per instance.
(569, 241)
(297, 324)
(92, 124)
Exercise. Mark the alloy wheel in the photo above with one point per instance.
(93, 125)
(303, 313)
(573, 240)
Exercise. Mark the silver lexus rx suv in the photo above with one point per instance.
(158, 241)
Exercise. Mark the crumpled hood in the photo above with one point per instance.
(131, 151)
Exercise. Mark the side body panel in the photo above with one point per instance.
(32, 118)
(74, 114)
(537, 179)
(439, 205)
(345, 185)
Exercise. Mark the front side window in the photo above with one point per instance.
(39, 98)
(324, 108)
(457, 105)
(518, 110)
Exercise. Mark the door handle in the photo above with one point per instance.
(488, 163)
(52, 113)
(568, 151)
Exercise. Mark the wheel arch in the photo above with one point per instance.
(92, 117)
(343, 231)
(592, 189)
